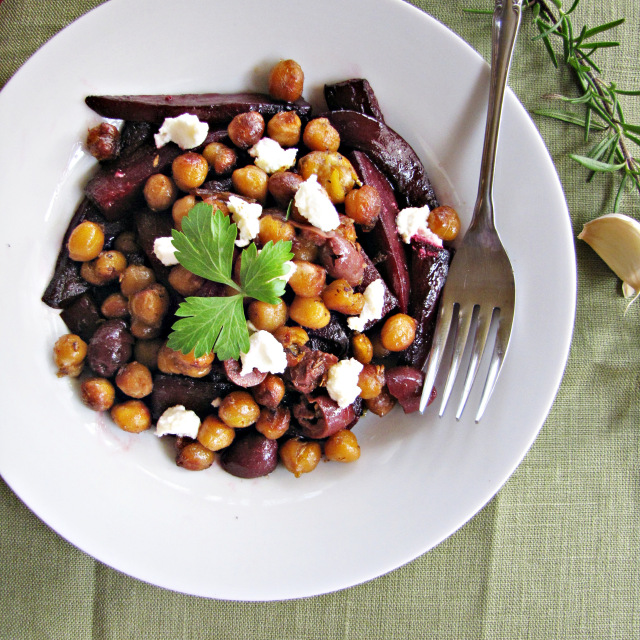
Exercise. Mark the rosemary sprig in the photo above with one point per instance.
(598, 107)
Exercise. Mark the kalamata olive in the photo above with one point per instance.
(405, 384)
(232, 369)
(319, 416)
(250, 456)
(110, 347)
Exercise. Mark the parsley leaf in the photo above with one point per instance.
(261, 273)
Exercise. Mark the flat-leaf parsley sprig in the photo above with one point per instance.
(205, 247)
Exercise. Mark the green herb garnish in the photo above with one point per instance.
(205, 247)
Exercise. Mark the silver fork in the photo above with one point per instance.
(480, 284)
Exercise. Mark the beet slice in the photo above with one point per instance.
(333, 338)
(355, 95)
(150, 226)
(390, 152)
(319, 416)
(214, 108)
(384, 238)
(82, 317)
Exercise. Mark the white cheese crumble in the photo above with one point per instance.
(247, 216)
(165, 251)
(342, 382)
(313, 202)
(373, 306)
(413, 222)
(271, 157)
(291, 270)
(185, 130)
(216, 402)
(265, 354)
(178, 421)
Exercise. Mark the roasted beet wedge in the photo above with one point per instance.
(390, 152)
(355, 95)
(214, 108)
(384, 240)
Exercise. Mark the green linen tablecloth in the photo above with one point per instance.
(555, 554)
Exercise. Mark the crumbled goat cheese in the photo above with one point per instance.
(373, 306)
(291, 269)
(247, 216)
(342, 382)
(265, 354)
(271, 157)
(313, 202)
(178, 421)
(185, 130)
(413, 222)
(165, 251)
(216, 402)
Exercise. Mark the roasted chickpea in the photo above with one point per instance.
(335, 173)
(86, 241)
(170, 361)
(134, 380)
(103, 141)
(340, 296)
(251, 182)
(221, 158)
(381, 404)
(283, 186)
(363, 205)
(126, 243)
(159, 192)
(189, 170)
(150, 305)
(291, 336)
(299, 456)
(88, 273)
(69, 353)
(115, 306)
(379, 351)
(184, 282)
(398, 332)
(136, 277)
(286, 81)
(371, 380)
(347, 229)
(246, 129)
(308, 279)
(285, 128)
(195, 457)
(143, 331)
(273, 423)
(98, 394)
(342, 446)
(304, 248)
(362, 348)
(215, 434)
(275, 228)
(180, 209)
(267, 317)
(321, 135)
(132, 416)
(109, 265)
(270, 392)
(239, 410)
(146, 352)
(444, 222)
(217, 204)
(309, 312)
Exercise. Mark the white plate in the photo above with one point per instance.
(120, 498)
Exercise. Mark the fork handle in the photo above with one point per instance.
(506, 21)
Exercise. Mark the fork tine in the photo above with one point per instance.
(497, 359)
(479, 343)
(465, 314)
(437, 348)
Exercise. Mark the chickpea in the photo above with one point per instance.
(132, 416)
(126, 243)
(159, 192)
(189, 170)
(445, 223)
(308, 279)
(362, 348)
(98, 394)
(170, 361)
(69, 353)
(115, 306)
(285, 128)
(347, 229)
(342, 446)
(86, 241)
(309, 312)
(108, 266)
(134, 380)
(267, 317)
(246, 129)
(321, 135)
(251, 182)
(195, 457)
(340, 296)
(103, 142)
(286, 81)
(363, 206)
(239, 410)
(382, 403)
(143, 331)
(146, 352)
(184, 282)
(371, 380)
(150, 305)
(221, 158)
(283, 186)
(275, 229)
(180, 209)
(270, 392)
(379, 351)
(217, 204)
(398, 332)
(215, 434)
(304, 248)
(136, 277)
(273, 424)
(300, 456)
(291, 336)
(335, 173)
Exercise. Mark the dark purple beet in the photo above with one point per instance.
(250, 455)
(214, 108)
(355, 95)
(232, 370)
(82, 317)
(332, 339)
(150, 226)
(109, 348)
(405, 384)
(319, 416)
(134, 135)
(391, 153)
(384, 238)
